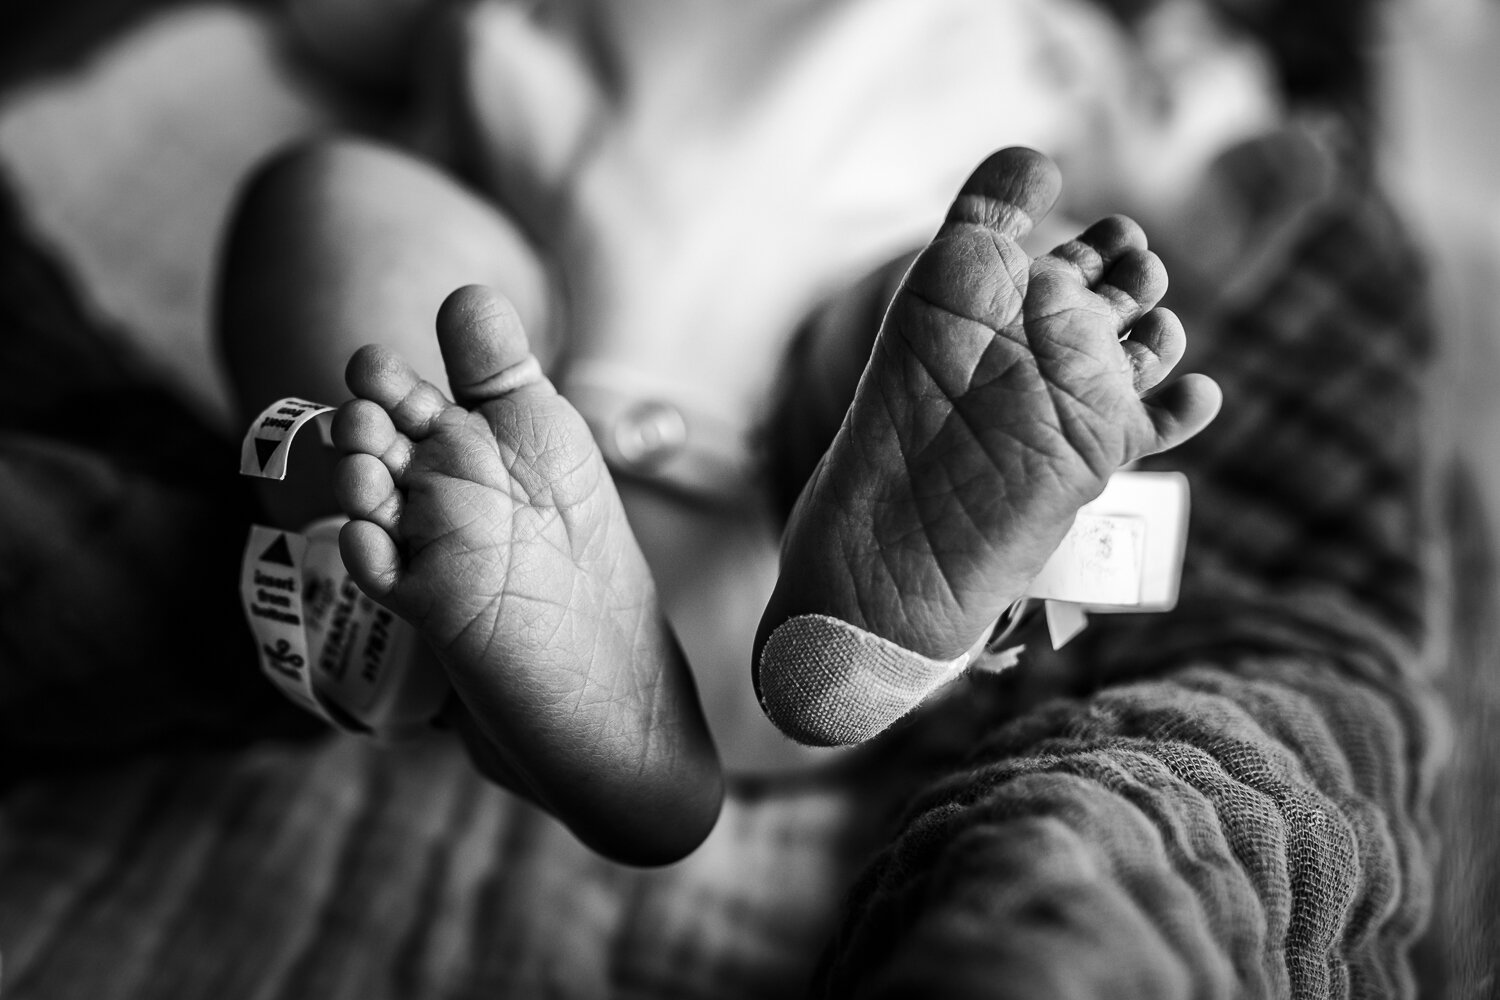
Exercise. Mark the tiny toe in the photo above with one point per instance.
(484, 347)
(1155, 345)
(1133, 286)
(1099, 246)
(365, 491)
(361, 425)
(1183, 409)
(382, 376)
(370, 556)
(1009, 192)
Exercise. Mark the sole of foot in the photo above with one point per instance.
(490, 523)
(1001, 394)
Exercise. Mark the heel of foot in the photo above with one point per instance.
(824, 682)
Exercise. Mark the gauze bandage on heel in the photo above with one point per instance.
(824, 682)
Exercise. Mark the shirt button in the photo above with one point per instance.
(649, 434)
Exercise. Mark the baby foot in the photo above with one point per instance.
(998, 400)
(491, 525)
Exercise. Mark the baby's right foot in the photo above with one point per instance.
(1001, 395)
(492, 525)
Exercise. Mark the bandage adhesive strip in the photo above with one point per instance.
(833, 684)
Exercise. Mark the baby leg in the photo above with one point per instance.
(342, 244)
(339, 244)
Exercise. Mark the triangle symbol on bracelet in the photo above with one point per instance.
(278, 552)
(264, 449)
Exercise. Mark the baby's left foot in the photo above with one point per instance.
(1001, 395)
(492, 525)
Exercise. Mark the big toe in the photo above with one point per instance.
(975, 267)
(1010, 192)
(485, 349)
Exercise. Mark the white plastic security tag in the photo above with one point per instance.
(1123, 553)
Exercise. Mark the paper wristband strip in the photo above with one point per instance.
(319, 639)
(271, 591)
(325, 644)
(367, 665)
(266, 444)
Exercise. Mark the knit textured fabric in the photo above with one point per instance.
(837, 685)
(1233, 800)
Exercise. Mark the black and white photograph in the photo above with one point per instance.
(749, 499)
